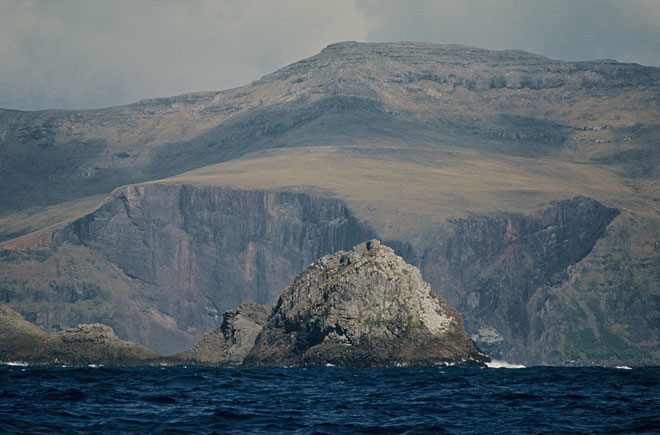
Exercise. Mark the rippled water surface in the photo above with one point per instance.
(329, 400)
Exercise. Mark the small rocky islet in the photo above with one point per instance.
(21, 342)
(363, 308)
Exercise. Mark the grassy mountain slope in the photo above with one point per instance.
(408, 96)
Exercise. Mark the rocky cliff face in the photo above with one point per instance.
(490, 268)
(183, 254)
(160, 263)
(22, 342)
(183, 237)
(362, 308)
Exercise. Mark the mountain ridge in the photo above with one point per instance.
(114, 152)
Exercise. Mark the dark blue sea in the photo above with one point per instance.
(329, 400)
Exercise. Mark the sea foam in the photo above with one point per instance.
(499, 364)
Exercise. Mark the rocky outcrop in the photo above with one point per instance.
(229, 344)
(22, 342)
(362, 308)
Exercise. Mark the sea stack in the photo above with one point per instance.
(362, 308)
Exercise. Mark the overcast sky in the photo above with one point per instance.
(87, 53)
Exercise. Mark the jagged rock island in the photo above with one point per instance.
(363, 308)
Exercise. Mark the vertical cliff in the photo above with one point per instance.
(192, 252)
(490, 267)
(161, 262)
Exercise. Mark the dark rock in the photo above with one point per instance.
(362, 308)
(489, 267)
(23, 342)
(229, 344)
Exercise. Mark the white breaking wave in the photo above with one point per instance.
(14, 363)
(498, 364)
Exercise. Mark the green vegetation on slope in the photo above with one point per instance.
(75, 285)
(609, 310)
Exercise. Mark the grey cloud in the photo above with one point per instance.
(627, 31)
(96, 53)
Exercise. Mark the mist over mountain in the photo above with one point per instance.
(524, 188)
(82, 55)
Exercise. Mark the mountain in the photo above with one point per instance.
(524, 188)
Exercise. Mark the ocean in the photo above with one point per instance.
(196, 400)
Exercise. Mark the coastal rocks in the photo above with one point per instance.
(23, 342)
(229, 344)
(362, 308)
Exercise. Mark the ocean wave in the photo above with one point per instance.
(499, 364)
(14, 363)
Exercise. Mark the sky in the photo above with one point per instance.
(79, 54)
